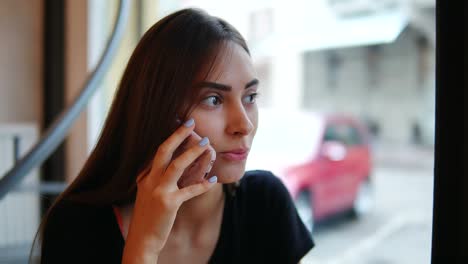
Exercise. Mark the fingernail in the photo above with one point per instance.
(203, 142)
(189, 122)
(213, 179)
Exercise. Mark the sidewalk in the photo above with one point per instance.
(403, 156)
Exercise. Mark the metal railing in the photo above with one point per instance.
(56, 133)
(20, 188)
(20, 211)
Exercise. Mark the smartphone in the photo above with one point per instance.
(197, 171)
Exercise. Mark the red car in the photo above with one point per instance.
(323, 159)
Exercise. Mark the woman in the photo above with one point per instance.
(166, 182)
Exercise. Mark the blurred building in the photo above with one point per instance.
(374, 59)
(391, 86)
(377, 62)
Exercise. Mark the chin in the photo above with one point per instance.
(230, 173)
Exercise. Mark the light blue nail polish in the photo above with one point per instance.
(204, 141)
(213, 179)
(189, 122)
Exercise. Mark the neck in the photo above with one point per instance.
(193, 213)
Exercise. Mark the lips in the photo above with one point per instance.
(235, 154)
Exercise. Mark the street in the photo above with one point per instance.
(397, 231)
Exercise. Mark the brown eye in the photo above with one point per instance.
(251, 98)
(212, 100)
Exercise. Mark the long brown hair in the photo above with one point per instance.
(156, 87)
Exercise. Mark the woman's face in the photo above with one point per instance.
(227, 113)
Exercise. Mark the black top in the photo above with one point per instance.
(260, 225)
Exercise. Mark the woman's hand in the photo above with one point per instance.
(159, 196)
(198, 170)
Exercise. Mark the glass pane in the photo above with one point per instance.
(372, 62)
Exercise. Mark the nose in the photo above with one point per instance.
(238, 121)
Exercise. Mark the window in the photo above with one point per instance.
(343, 133)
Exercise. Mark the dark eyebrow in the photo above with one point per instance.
(214, 85)
(224, 87)
(251, 83)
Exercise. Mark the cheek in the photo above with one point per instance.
(208, 126)
(253, 115)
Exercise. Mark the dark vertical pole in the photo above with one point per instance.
(450, 220)
(54, 87)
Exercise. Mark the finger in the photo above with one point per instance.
(207, 161)
(190, 141)
(191, 191)
(197, 170)
(176, 168)
(195, 136)
(166, 149)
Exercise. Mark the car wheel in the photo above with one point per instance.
(364, 202)
(305, 210)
